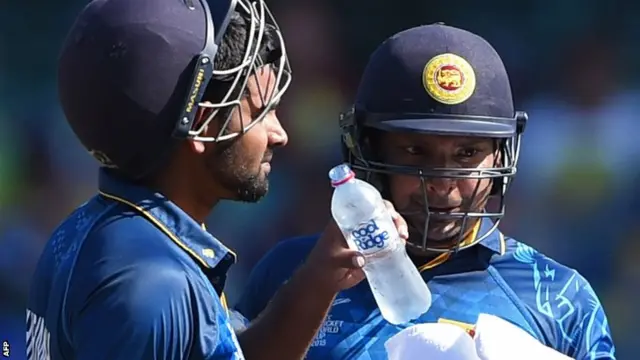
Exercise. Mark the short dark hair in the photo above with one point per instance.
(231, 52)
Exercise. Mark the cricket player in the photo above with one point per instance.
(433, 127)
(176, 99)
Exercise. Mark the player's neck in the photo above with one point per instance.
(423, 256)
(184, 191)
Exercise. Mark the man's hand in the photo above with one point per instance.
(333, 265)
(286, 328)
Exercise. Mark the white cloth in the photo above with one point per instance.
(498, 339)
(494, 339)
(432, 341)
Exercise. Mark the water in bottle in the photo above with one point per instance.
(358, 209)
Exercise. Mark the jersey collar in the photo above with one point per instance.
(494, 241)
(170, 219)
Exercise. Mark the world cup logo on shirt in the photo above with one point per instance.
(369, 236)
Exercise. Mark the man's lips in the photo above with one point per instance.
(443, 209)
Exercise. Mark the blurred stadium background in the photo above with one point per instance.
(573, 68)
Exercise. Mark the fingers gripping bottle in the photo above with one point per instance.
(358, 209)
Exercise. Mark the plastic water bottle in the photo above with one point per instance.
(358, 209)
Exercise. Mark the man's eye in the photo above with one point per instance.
(414, 150)
(468, 153)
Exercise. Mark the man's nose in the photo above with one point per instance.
(278, 136)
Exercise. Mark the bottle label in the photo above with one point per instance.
(368, 236)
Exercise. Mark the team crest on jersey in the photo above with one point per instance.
(449, 79)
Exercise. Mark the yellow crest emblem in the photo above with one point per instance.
(449, 79)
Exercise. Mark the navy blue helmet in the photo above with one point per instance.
(439, 80)
(132, 74)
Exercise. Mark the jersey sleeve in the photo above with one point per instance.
(136, 315)
(260, 288)
(273, 270)
(592, 336)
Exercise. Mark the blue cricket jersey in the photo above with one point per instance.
(128, 275)
(499, 276)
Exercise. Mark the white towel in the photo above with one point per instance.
(493, 339)
(498, 339)
(433, 341)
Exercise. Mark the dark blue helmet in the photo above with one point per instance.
(132, 74)
(439, 80)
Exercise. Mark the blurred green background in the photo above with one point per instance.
(573, 65)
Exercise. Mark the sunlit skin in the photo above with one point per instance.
(241, 166)
(443, 194)
(203, 173)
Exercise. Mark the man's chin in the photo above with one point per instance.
(253, 195)
(251, 191)
(435, 240)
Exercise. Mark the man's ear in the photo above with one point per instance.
(199, 146)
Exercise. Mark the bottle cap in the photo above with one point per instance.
(341, 174)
